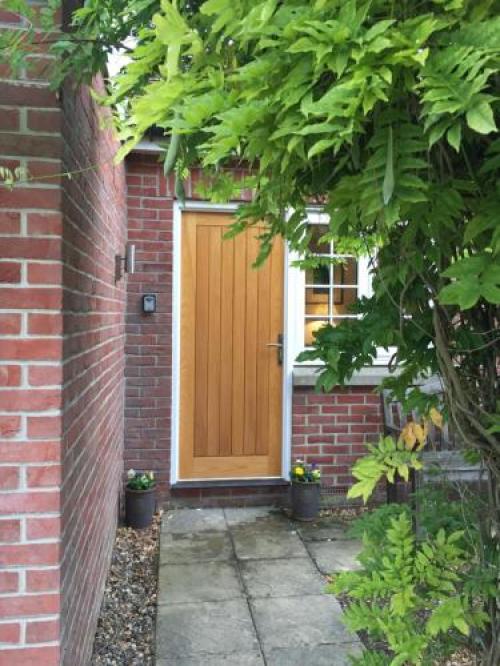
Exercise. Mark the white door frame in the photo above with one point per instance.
(288, 352)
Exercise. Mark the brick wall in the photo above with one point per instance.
(61, 343)
(30, 372)
(328, 429)
(332, 430)
(94, 233)
(149, 337)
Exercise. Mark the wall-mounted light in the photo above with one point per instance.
(128, 261)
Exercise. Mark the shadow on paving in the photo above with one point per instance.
(245, 587)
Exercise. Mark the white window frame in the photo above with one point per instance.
(296, 294)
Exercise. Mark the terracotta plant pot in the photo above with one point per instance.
(305, 500)
(139, 507)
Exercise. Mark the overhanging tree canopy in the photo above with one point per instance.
(384, 111)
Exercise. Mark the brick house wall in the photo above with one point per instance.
(94, 233)
(331, 430)
(149, 337)
(148, 371)
(61, 369)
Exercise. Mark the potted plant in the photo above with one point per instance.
(305, 490)
(139, 499)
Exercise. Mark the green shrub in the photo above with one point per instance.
(438, 510)
(140, 480)
(373, 525)
(410, 595)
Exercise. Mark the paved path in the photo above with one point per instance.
(245, 587)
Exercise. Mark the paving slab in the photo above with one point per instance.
(334, 556)
(204, 629)
(262, 515)
(281, 578)
(208, 581)
(289, 622)
(235, 659)
(206, 546)
(241, 587)
(263, 544)
(186, 521)
(318, 655)
(322, 532)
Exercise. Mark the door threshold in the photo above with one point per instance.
(230, 483)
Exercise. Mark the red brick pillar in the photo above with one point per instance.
(30, 371)
(149, 337)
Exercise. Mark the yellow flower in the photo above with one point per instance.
(298, 471)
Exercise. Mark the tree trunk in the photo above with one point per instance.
(492, 521)
(492, 654)
(471, 398)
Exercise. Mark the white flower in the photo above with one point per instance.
(131, 473)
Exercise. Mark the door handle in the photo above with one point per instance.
(279, 347)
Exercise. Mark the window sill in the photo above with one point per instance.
(306, 375)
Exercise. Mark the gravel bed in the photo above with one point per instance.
(125, 631)
(344, 514)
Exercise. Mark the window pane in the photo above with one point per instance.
(318, 275)
(311, 326)
(331, 289)
(315, 246)
(343, 299)
(317, 301)
(346, 272)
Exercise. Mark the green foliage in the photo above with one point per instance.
(437, 507)
(385, 459)
(18, 42)
(140, 480)
(99, 29)
(373, 525)
(438, 510)
(474, 277)
(411, 595)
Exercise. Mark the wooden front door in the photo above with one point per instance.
(230, 379)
